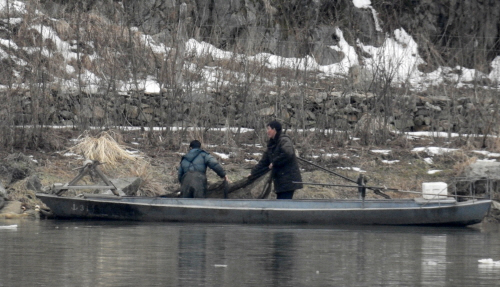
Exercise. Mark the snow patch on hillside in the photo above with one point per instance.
(397, 57)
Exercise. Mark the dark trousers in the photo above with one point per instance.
(285, 194)
(194, 185)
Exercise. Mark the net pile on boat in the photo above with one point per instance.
(258, 186)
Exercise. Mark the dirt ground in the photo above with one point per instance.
(159, 155)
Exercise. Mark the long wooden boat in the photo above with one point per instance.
(258, 211)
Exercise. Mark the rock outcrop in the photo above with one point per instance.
(464, 33)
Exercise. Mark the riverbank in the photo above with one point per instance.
(403, 164)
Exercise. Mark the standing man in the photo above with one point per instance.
(280, 159)
(192, 171)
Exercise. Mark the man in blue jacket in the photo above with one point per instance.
(192, 171)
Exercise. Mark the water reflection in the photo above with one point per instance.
(192, 257)
(433, 259)
(282, 260)
(68, 253)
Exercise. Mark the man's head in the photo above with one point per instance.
(275, 125)
(273, 130)
(195, 144)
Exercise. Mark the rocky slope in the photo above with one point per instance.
(464, 33)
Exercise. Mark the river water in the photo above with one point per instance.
(104, 253)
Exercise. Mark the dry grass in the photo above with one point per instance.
(462, 163)
(103, 148)
(151, 178)
(106, 148)
(23, 194)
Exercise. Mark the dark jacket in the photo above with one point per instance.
(285, 170)
(198, 160)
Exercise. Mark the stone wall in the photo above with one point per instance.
(321, 110)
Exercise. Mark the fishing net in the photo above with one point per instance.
(256, 186)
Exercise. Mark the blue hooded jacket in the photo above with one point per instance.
(198, 160)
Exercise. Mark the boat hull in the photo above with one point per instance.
(311, 212)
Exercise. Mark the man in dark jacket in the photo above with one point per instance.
(280, 158)
(192, 171)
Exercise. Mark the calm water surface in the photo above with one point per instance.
(100, 253)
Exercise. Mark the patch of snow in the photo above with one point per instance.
(13, 21)
(13, 226)
(68, 154)
(367, 4)
(156, 48)
(398, 56)
(362, 3)
(221, 155)
(326, 155)
(433, 171)
(487, 160)
(331, 155)
(489, 261)
(70, 69)
(428, 160)
(382, 151)
(350, 59)
(495, 71)
(352, 168)
(62, 46)
(14, 6)
(486, 153)
(8, 43)
(390, 161)
(432, 151)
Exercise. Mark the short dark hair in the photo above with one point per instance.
(275, 125)
(195, 144)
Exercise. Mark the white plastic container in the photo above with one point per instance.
(434, 190)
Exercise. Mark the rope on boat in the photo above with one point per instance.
(359, 182)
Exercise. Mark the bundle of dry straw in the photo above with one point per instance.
(103, 148)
